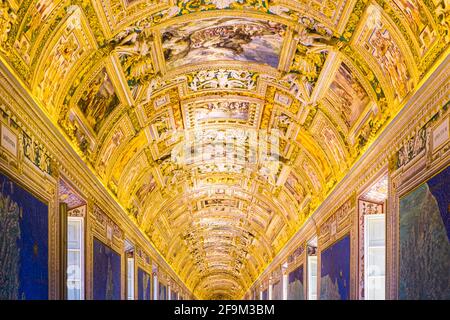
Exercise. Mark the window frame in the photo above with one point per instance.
(310, 260)
(367, 218)
(81, 250)
(130, 293)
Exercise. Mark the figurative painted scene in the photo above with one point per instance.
(418, 21)
(295, 188)
(98, 100)
(236, 110)
(241, 39)
(348, 95)
(381, 45)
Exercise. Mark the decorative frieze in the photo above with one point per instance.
(276, 274)
(337, 224)
(412, 147)
(18, 140)
(37, 154)
(143, 257)
(368, 207)
(296, 254)
(431, 136)
(79, 212)
(110, 228)
(221, 79)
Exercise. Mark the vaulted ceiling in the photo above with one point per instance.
(221, 125)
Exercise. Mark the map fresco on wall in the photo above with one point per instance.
(98, 100)
(23, 244)
(144, 285)
(295, 284)
(173, 295)
(162, 292)
(335, 271)
(265, 295)
(106, 275)
(277, 293)
(241, 39)
(425, 240)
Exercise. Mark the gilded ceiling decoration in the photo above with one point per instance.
(221, 125)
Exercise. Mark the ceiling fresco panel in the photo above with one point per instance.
(347, 93)
(222, 39)
(72, 42)
(378, 40)
(115, 140)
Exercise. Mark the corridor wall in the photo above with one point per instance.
(34, 158)
(414, 153)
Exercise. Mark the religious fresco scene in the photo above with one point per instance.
(235, 39)
(347, 93)
(98, 100)
(224, 150)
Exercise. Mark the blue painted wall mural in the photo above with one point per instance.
(106, 274)
(265, 295)
(23, 243)
(277, 291)
(335, 271)
(424, 240)
(173, 295)
(144, 285)
(162, 292)
(295, 284)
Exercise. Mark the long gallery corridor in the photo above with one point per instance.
(224, 149)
